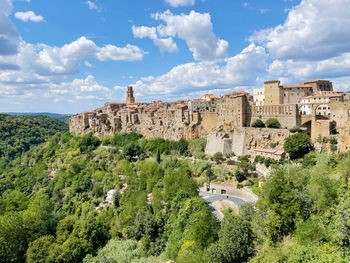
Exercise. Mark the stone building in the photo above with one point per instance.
(259, 96)
(234, 109)
(196, 105)
(272, 92)
(323, 99)
(292, 94)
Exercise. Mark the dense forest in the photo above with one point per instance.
(125, 198)
(19, 133)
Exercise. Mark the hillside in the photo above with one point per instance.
(130, 199)
(61, 117)
(19, 133)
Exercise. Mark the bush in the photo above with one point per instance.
(258, 124)
(295, 129)
(218, 157)
(333, 140)
(273, 123)
(239, 186)
(273, 145)
(240, 176)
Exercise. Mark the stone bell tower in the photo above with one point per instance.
(130, 96)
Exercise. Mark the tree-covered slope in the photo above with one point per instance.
(19, 133)
(56, 205)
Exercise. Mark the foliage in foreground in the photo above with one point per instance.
(302, 214)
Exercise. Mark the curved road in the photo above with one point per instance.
(211, 198)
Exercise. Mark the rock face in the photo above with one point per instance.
(242, 140)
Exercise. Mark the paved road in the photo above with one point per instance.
(211, 198)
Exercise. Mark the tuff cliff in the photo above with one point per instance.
(242, 141)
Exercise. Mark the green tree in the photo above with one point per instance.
(38, 250)
(258, 123)
(273, 123)
(236, 241)
(13, 242)
(297, 145)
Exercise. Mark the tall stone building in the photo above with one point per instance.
(130, 96)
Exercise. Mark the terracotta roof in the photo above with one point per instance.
(212, 96)
(316, 80)
(198, 100)
(323, 96)
(301, 85)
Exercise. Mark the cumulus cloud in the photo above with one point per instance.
(196, 29)
(80, 89)
(164, 44)
(313, 30)
(176, 3)
(29, 16)
(8, 32)
(290, 70)
(313, 42)
(240, 70)
(46, 60)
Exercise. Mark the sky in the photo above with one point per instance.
(69, 56)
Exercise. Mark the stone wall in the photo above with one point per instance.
(287, 115)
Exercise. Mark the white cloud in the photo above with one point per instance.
(29, 16)
(164, 44)
(8, 32)
(335, 67)
(80, 89)
(176, 3)
(39, 67)
(88, 64)
(313, 30)
(240, 70)
(195, 28)
(94, 5)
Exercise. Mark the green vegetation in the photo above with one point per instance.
(19, 133)
(297, 145)
(295, 129)
(53, 205)
(258, 123)
(273, 123)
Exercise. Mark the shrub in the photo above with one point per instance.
(258, 124)
(295, 129)
(218, 157)
(273, 145)
(240, 176)
(273, 123)
(239, 186)
(333, 140)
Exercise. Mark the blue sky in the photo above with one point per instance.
(71, 56)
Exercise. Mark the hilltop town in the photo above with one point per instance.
(226, 121)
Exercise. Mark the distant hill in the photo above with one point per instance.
(19, 133)
(62, 117)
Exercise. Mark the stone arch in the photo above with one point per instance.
(320, 111)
